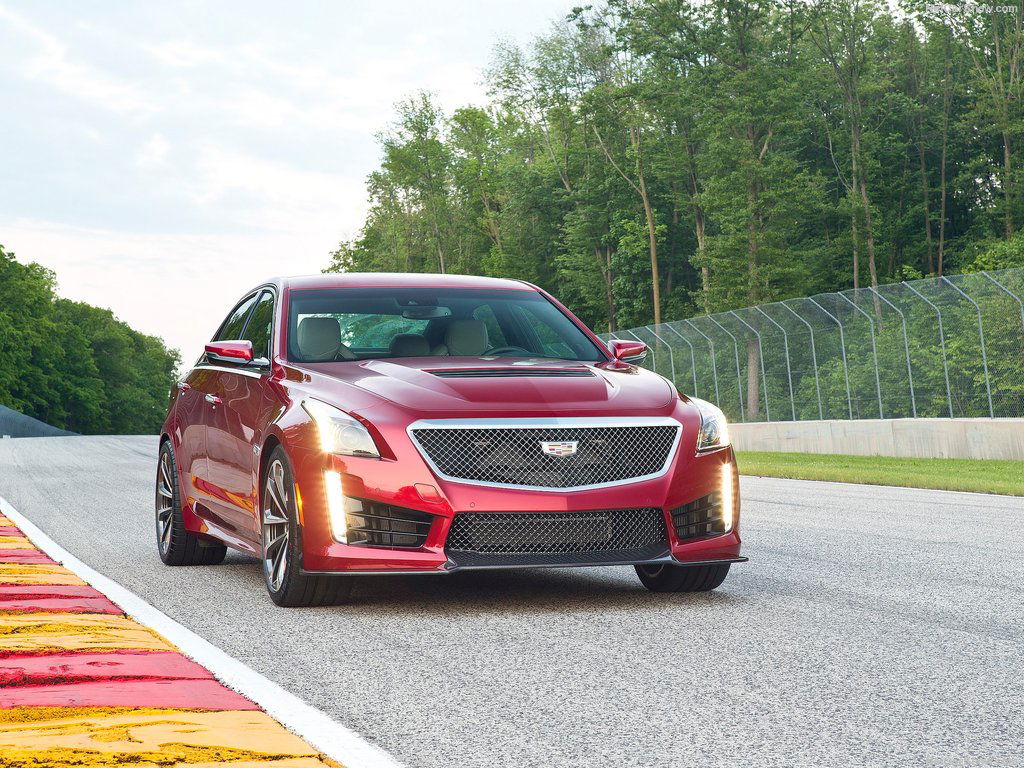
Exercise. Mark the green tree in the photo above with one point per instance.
(73, 365)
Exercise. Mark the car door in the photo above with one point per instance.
(244, 408)
(216, 505)
(190, 430)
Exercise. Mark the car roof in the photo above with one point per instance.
(398, 280)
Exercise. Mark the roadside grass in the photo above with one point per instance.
(983, 476)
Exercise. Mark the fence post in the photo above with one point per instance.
(736, 349)
(942, 344)
(906, 348)
(714, 366)
(814, 357)
(842, 348)
(1012, 295)
(981, 336)
(760, 352)
(671, 357)
(874, 352)
(789, 372)
(693, 359)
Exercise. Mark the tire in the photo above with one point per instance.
(176, 545)
(287, 585)
(682, 578)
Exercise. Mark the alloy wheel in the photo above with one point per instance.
(164, 502)
(275, 526)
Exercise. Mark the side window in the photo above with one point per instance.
(495, 336)
(258, 329)
(232, 328)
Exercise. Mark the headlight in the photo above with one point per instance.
(728, 497)
(339, 432)
(714, 429)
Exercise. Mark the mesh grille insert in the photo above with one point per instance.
(505, 373)
(516, 455)
(545, 538)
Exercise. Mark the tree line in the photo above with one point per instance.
(74, 365)
(656, 159)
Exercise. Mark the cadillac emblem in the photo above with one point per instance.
(562, 449)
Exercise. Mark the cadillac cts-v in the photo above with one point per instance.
(344, 425)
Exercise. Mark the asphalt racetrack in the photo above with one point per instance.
(871, 627)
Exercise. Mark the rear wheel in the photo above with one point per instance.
(178, 546)
(682, 578)
(282, 545)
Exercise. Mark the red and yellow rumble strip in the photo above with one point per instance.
(81, 684)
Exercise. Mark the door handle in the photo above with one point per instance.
(213, 399)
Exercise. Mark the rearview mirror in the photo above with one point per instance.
(230, 351)
(634, 352)
(425, 313)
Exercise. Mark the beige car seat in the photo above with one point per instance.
(463, 338)
(319, 340)
(409, 345)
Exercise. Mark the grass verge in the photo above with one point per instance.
(983, 476)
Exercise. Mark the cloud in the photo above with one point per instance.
(182, 54)
(153, 153)
(50, 65)
(265, 194)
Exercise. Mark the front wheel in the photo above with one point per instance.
(682, 578)
(282, 545)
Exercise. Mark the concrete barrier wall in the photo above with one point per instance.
(15, 424)
(914, 438)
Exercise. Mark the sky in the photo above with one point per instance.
(162, 158)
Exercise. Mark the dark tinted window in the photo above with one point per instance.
(258, 329)
(232, 328)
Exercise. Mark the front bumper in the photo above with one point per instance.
(407, 482)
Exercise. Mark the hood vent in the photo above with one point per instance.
(507, 373)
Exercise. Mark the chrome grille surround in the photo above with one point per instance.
(506, 453)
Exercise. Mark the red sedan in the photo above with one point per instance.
(382, 424)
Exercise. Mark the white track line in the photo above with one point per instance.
(332, 738)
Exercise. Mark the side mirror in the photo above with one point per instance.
(633, 352)
(238, 352)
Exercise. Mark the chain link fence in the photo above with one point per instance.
(945, 346)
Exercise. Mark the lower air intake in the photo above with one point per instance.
(702, 517)
(372, 524)
(556, 538)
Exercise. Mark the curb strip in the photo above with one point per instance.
(333, 739)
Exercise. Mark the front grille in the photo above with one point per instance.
(372, 524)
(505, 373)
(701, 517)
(556, 538)
(514, 455)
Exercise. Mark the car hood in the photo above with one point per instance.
(429, 384)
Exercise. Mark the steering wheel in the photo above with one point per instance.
(510, 348)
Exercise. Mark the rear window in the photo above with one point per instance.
(374, 323)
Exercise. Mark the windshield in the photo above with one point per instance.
(372, 323)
